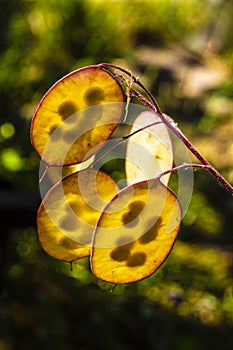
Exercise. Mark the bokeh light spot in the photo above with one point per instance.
(7, 130)
(11, 160)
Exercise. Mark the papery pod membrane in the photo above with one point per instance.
(149, 152)
(76, 116)
(135, 232)
(69, 212)
(55, 173)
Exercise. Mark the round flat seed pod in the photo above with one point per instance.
(68, 215)
(76, 116)
(149, 152)
(135, 232)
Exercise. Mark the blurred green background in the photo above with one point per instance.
(183, 52)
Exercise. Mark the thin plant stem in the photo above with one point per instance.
(180, 167)
(135, 80)
(170, 123)
(44, 173)
(121, 140)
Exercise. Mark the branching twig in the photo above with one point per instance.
(170, 123)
